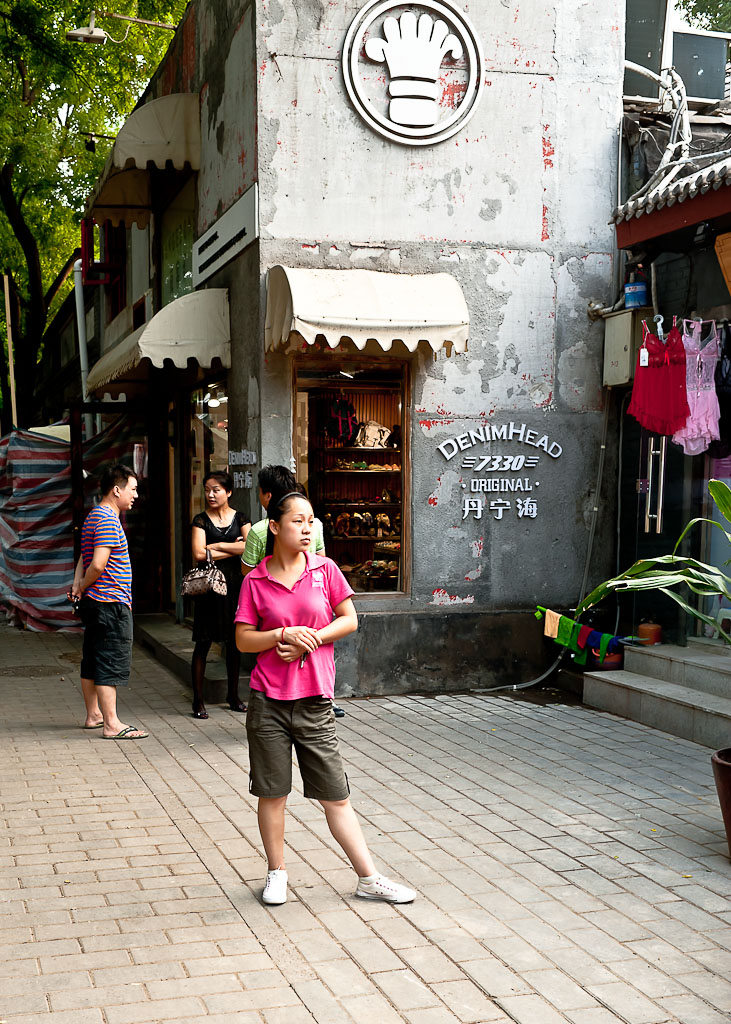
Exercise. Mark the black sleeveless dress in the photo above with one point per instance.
(213, 615)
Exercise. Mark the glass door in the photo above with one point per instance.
(660, 489)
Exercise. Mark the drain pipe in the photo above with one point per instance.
(83, 354)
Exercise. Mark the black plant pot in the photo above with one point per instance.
(721, 762)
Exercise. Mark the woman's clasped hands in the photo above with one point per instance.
(297, 642)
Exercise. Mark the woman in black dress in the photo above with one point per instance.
(222, 531)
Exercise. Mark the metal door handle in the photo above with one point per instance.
(660, 484)
(652, 451)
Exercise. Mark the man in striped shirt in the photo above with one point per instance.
(103, 582)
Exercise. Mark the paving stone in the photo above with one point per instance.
(433, 1015)
(345, 978)
(467, 1001)
(157, 1010)
(628, 1003)
(593, 1016)
(372, 954)
(431, 964)
(404, 990)
(494, 977)
(371, 1010)
(715, 990)
(648, 979)
(530, 1009)
(561, 992)
(550, 880)
(113, 995)
(689, 1009)
(88, 1016)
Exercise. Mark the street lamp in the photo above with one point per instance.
(92, 34)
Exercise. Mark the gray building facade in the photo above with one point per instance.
(488, 486)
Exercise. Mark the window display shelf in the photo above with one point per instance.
(333, 502)
(352, 448)
(360, 536)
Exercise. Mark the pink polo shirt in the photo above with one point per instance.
(267, 604)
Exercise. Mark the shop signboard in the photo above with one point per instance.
(230, 235)
(413, 72)
(502, 458)
(243, 479)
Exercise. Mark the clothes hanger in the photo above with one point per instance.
(659, 320)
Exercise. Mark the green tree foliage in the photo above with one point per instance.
(51, 93)
(709, 14)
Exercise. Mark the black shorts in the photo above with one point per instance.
(107, 652)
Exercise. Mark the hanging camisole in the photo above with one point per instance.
(721, 449)
(701, 359)
(659, 401)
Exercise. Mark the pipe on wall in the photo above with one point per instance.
(83, 352)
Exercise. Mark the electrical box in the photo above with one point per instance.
(622, 339)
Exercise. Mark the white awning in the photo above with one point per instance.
(164, 129)
(363, 306)
(195, 326)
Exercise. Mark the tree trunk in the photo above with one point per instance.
(28, 335)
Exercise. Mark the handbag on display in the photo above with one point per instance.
(371, 435)
(208, 580)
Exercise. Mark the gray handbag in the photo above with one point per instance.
(208, 580)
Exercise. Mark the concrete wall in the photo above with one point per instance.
(516, 207)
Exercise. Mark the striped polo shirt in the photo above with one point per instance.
(102, 528)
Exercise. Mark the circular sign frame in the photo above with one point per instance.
(414, 136)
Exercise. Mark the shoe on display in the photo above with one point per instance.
(275, 888)
(378, 887)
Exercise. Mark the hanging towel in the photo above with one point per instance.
(583, 637)
(552, 622)
(565, 628)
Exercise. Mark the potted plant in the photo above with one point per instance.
(665, 573)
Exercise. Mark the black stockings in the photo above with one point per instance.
(198, 671)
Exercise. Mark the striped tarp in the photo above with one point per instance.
(36, 539)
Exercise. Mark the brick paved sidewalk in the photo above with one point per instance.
(571, 866)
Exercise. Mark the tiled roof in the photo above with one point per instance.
(714, 177)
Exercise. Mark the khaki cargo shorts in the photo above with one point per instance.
(273, 727)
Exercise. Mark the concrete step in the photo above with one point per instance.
(707, 669)
(172, 645)
(680, 710)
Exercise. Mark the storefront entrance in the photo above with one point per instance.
(661, 489)
(351, 451)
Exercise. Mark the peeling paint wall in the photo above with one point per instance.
(515, 206)
(228, 109)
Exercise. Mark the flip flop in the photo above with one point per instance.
(98, 726)
(125, 734)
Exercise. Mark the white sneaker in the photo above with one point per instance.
(275, 889)
(378, 887)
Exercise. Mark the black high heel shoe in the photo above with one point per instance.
(199, 710)
(237, 705)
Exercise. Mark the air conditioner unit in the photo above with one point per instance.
(700, 59)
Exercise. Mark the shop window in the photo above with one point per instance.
(351, 457)
(115, 262)
(208, 439)
(177, 233)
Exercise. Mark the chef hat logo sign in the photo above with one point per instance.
(413, 71)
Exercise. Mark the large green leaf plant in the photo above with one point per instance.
(668, 572)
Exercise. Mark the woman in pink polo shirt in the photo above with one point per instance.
(292, 608)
